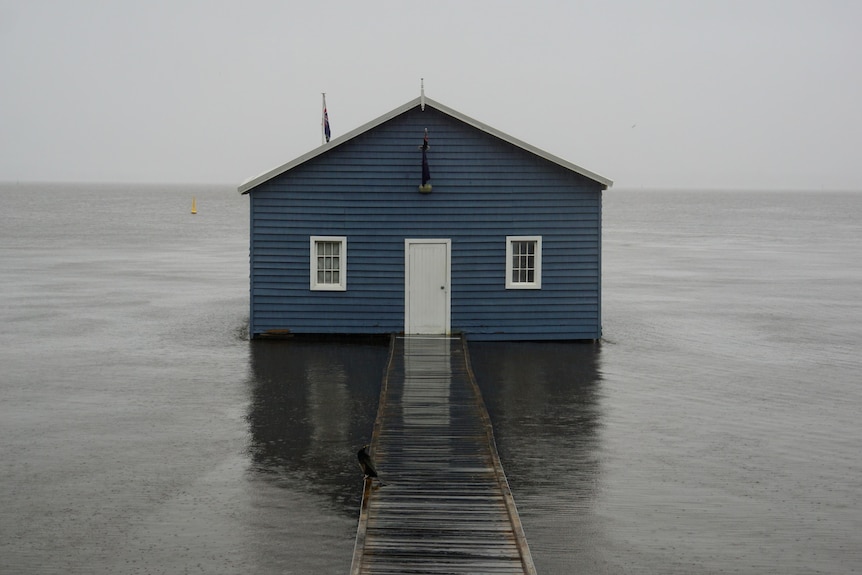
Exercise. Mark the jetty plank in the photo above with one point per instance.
(445, 504)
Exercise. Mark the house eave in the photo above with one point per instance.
(252, 183)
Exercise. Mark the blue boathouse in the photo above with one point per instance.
(504, 242)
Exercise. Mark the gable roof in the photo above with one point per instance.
(251, 183)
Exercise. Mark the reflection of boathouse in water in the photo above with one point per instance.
(311, 403)
(503, 242)
(307, 398)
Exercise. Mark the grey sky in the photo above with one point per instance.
(683, 94)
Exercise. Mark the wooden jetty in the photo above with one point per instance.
(445, 506)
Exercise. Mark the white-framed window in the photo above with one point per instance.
(523, 262)
(329, 263)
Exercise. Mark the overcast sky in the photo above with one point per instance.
(683, 94)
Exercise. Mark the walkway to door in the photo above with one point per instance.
(446, 505)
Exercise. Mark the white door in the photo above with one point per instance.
(426, 286)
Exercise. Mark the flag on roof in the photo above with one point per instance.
(326, 131)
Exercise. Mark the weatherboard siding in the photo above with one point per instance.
(484, 189)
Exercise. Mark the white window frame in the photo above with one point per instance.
(537, 275)
(342, 264)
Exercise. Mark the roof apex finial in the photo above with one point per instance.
(422, 94)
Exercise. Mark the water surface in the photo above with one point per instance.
(714, 429)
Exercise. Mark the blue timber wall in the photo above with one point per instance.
(483, 190)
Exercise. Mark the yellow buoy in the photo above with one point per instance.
(194, 207)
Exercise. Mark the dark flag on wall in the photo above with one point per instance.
(426, 172)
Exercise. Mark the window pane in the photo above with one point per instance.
(328, 262)
(523, 261)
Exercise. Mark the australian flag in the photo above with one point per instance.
(426, 172)
(326, 131)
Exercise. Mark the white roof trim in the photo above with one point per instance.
(251, 183)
